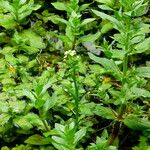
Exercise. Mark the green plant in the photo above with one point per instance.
(74, 30)
(55, 95)
(15, 13)
(126, 43)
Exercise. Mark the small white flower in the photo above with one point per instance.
(69, 52)
(72, 53)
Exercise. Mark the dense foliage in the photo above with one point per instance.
(74, 75)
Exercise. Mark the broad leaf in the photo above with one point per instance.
(38, 140)
(136, 123)
(139, 92)
(104, 112)
(22, 123)
(105, 16)
(90, 37)
(59, 5)
(143, 46)
(79, 135)
(86, 21)
(143, 72)
(109, 65)
(4, 118)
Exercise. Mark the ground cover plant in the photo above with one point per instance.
(74, 75)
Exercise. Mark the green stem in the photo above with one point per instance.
(74, 44)
(125, 65)
(47, 128)
(117, 124)
(76, 98)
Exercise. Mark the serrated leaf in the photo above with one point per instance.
(30, 96)
(59, 5)
(7, 21)
(50, 102)
(79, 135)
(106, 27)
(136, 123)
(45, 87)
(34, 119)
(22, 123)
(109, 65)
(34, 40)
(119, 54)
(38, 140)
(104, 112)
(143, 46)
(17, 106)
(90, 37)
(83, 7)
(105, 16)
(86, 21)
(105, 7)
(139, 92)
(143, 72)
(107, 2)
(5, 5)
(4, 118)
(4, 107)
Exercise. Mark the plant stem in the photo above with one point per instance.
(117, 124)
(47, 128)
(74, 44)
(125, 65)
(76, 98)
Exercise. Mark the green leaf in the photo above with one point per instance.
(143, 72)
(4, 107)
(38, 140)
(136, 123)
(83, 7)
(105, 7)
(17, 106)
(86, 21)
(22, 123)
(104, 112)
(119, 54)
(57, 19)
(106, 27)
(107, 2)
(59, 5)
(4, 118)
(50, 102)
(101, 143)
(45, 87)
(34, 120)
(5, 5)
(105, 16)
(109, 65)
(139, 92)
(34, 40)
(90, 37)
(26, 10)
(79, 135)
(143, 46)
(7, 21)
(30, 96)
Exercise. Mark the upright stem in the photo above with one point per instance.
(125, 65)
(76, 98)
(47, 128)
(45, 123)
(117, 124)
(74, 44)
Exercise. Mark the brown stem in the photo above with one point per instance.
(117, 125)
